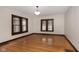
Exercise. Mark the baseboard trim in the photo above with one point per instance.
(48, 34)
(6, 42)
(71, 43)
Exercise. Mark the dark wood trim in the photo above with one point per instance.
(48, 34)
(71, 43)
(20, 20)
(13, 33)
(47, 25)
(6, 42)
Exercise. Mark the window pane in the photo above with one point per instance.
(16, 21)
(16, 29)
(23, 21)
(50, 25)
(43, 25)
(24, 24)
(24, 28)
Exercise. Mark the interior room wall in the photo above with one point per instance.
(72, 25)
(5, 23)
(58, 24)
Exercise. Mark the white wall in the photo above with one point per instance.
(58, 24)
(5, 23)
(72, 25)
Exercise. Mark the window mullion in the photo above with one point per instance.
(20, 25)
(46, 25)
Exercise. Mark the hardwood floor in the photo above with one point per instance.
(38, 43)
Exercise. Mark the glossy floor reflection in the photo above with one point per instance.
(38, 43)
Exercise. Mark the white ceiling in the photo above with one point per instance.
(44, 10)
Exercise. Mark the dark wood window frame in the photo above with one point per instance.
(46, 20)
(20, 26)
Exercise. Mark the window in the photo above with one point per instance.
(47, 25)
(19, 25)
